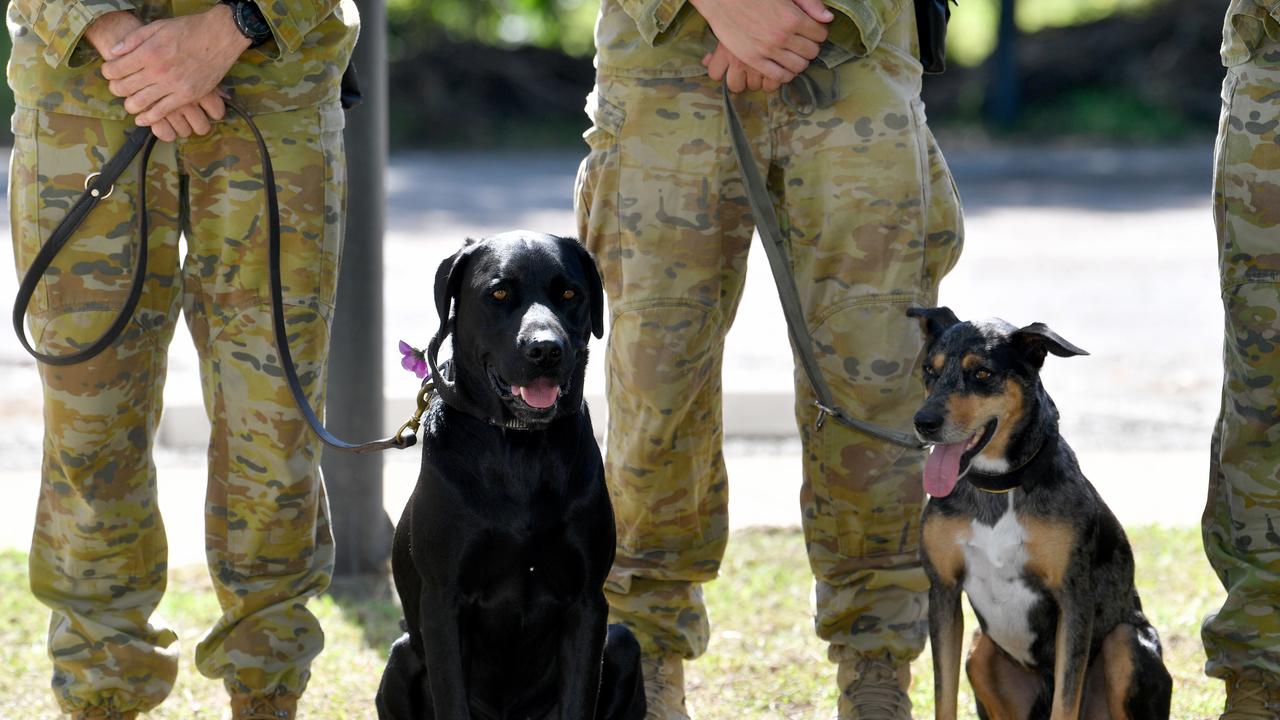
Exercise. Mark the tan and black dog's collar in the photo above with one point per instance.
(1017, 476)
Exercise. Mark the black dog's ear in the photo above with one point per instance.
(449, 279)
(594, 287)
(1036, 340)
(937, 320)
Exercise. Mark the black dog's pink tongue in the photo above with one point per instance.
(942, 469)
(541, 394)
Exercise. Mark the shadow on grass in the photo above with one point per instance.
(370, 603)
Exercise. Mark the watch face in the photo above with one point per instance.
(250, 21)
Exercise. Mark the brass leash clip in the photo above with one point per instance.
(415, 421)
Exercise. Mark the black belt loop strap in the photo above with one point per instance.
(775, 249)
(97, 187)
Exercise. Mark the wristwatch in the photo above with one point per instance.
(249, 21)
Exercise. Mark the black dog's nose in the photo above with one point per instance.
(929, 421)
(543, 349)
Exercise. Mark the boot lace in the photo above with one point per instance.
(1252, 689)
(264, 709)
(876, 693)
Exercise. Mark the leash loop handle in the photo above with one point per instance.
(98, 187)
(766, 220)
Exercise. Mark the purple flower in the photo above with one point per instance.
(414, 360)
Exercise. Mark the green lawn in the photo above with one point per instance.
(764, 661)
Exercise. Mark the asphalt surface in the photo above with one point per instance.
(1113, 248)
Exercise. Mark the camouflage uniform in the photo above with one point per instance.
(98, 556)
(1243, 509)
(873, 223)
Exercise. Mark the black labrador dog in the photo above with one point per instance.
(501, 553)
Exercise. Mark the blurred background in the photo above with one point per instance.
(1080, 134)
(513, 73)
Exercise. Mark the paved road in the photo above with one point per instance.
(1113, 248)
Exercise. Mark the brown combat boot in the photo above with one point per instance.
(256, 707)
(1252, 695)
(664, 687)
(104, 714)
(873, 687)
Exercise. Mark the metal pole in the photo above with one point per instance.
(1005, 101)
(362, 530)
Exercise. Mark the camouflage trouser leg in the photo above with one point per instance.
(873, 221)
(1242, 514)
(267, 533)
(98, 554)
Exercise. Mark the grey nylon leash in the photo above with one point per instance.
(775, 249)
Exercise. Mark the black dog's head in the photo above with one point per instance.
(983, 380)
(524, 306)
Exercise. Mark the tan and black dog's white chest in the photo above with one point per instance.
(997, 569)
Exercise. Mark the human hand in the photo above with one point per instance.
(778, 38)
(168, 65)
(106, 32)
(722, 64)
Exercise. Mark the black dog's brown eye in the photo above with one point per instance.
(983, 374)
(569, 294)
(499, 294)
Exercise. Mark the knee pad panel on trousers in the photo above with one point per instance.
(664, 465)
(862, 498)
(266, 507)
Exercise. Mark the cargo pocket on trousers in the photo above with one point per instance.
(596, 189)
(24, 199)
(867, 493)
(332, 121)
(944, 216)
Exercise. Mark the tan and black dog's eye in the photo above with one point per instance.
(498, 295)
(982, 374)
(569, 294)
(929, 372)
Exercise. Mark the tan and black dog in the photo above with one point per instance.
(1014, 524)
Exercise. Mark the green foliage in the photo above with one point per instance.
(972, 33)
(1113, 115)
(6, 95)
(562, 24)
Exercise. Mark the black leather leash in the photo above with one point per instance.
(98, 187)
(776, 250)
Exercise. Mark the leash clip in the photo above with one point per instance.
(823, 413)
(415, 421)
(96, 192)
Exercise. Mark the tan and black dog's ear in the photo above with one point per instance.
(449, 278)
(591, 275)
(1036, 340)
(936, 320)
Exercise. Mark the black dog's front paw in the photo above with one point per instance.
(402, 694)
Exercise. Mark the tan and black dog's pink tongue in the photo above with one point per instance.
(541, 394)
(942, 469)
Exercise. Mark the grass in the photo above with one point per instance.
(764, 661)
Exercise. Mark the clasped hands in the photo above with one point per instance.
(763, 43)
(168, 70)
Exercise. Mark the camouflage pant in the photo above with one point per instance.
(873, 222)
(98, 556)
(1243, 509)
